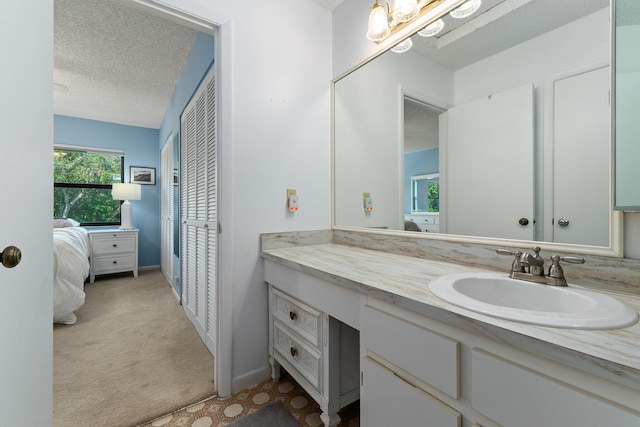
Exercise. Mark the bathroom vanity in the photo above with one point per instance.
(418, 360)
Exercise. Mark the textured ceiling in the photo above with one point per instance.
(119, 64)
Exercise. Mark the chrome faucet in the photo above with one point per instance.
(530, 267)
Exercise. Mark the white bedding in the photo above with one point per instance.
(70, 269)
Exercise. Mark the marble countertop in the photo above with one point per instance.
(404, 280)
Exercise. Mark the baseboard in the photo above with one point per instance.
(250, 379)
(149, 267)
(175, 294)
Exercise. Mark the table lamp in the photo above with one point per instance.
(126, 192)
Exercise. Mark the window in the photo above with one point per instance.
(425, 193)
(82, 185)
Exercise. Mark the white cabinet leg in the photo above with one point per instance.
(275, 369)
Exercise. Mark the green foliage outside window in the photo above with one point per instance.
(433, 196)
(82, 186)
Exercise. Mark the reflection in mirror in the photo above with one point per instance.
(425, 194)
(518, 98)
(627, 88)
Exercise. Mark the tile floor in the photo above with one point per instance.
(218, 412)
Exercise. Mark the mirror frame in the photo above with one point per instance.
(616, 236)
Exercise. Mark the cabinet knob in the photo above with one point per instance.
(293, 351)
(115, 246)
(115, 262)
(292, 315)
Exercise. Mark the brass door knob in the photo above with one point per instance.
(292, 315)
(10, 256)
(293, 351)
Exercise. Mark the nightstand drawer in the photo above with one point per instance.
(113, 245)
(298, 317)
(114, 262)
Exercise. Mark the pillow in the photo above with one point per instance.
(65, 222)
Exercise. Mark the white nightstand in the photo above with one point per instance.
(113, 251)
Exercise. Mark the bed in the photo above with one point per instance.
(70, 269)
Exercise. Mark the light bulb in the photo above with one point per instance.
(378, 23)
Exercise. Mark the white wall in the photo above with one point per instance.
(275, 60)
(584, 41)
(368, 106)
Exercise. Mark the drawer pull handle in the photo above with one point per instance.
(115, 246)
(293, 351)
(292, 315)
(115, 262)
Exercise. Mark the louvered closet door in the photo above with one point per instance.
(166, 209)
(199, 211)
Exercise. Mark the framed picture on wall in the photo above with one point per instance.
(142, 175)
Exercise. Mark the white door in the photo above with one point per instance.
(166, 210)
(581, 147)
(199, 193)
(26, 185)
(480, 199)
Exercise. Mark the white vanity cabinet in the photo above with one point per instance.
(317, 350)
(432, 374)
(421, 364)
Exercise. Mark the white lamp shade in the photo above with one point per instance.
(378, 24)
(405, 10)
(466, 9)
(126, 191)
(403, 46)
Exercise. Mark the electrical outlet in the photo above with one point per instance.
(367, 201)
(290, 192)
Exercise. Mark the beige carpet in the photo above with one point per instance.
(132, 355)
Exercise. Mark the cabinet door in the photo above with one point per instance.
(387, 400)
(518, 397)
(429, 356)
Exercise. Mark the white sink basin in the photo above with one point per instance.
(497, 295)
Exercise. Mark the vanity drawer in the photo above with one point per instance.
(521, 397)
(304, 358)
(298, 317)
(113, 245)
(424, 354)
(113, 263)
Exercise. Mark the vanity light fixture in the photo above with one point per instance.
(466, 9)
(383, 21)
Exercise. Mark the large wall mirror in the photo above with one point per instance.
(509, 107)
(627, 90)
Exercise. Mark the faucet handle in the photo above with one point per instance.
(556, 272)
(516, 266)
